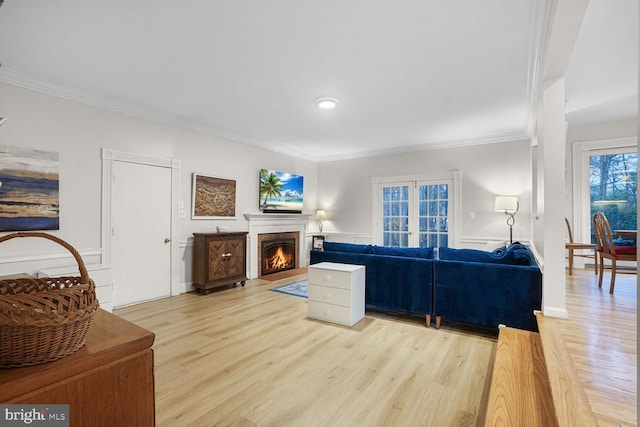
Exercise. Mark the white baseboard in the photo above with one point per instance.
(181, 288)
(560, 313)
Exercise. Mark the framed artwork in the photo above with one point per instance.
(213, 198)
(29, 190)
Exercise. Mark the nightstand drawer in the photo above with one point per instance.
(333, 278)
(330, 313)
(330, 295)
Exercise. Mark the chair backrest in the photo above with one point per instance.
(604, 237)
(569, 230)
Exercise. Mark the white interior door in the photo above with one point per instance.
(140, 232)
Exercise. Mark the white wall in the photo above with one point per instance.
(345, 187)
(78, 131)
(552, 142)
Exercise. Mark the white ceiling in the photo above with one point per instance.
(409, 74)
(602, 79)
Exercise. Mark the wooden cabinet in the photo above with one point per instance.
(108, 382)
(336, 292)
(219, 259)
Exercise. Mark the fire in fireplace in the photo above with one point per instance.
(278, 255)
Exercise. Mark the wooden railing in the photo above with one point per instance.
(534, 382)
(520, 393)
(569, 398)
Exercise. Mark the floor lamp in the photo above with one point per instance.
(510, 206)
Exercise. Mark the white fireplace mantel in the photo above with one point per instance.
(273, 223)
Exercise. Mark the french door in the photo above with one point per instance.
(416, 212)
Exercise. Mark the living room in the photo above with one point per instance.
(41, 116)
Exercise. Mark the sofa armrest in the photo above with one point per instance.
(487, 294)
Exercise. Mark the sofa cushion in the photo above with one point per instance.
(522, 255)
(426, 253)
(347, 247)
(473, 255)
(514, 254)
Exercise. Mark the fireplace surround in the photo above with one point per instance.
(262, 223)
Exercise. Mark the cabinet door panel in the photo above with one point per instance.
(217, 263)
(236, 261)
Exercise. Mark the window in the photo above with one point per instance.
(434, 215)
(613, 185)
(395, 216)
(415, 210)
(605, 180)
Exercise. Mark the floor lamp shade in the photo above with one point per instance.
(506, 204)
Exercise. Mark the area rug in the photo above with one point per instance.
(298, 289)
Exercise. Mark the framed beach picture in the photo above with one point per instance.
(213, 198)
(29, 189)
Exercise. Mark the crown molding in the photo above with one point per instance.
(85, 97)
(540, 18)
(435, 145)
(22, 80)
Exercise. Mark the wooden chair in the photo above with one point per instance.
(572, 246)
(606, 249)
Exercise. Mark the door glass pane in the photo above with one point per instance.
(395, 220)
(434, 217)
(614, 189)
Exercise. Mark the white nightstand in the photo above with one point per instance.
(336, 292)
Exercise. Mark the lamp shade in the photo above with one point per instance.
(507, 204)
(321, 215)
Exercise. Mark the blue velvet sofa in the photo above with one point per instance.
(460, 285)
(488, 288)
(398, 280)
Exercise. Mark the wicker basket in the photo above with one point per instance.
(42, 320)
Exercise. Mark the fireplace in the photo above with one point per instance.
(277, 252)
(261, 224)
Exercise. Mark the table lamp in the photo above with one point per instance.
(321, 215)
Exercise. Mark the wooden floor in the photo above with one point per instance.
(247, 356)
(601, 336)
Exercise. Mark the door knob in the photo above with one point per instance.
(167, 240)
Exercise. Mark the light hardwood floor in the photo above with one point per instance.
(247, 356)
(601, 336)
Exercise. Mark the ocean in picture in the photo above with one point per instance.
(281, 191)
(29, 190)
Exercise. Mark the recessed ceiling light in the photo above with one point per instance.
(326, 103)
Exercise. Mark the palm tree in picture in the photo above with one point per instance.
(270, 185)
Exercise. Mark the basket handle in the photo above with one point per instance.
(74, 252)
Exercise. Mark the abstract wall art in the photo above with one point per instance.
(213, 197)
(29, 189)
